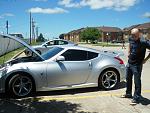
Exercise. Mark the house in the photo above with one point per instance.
(144, 28)
(111, 33)
(74, 35)
(108, 34)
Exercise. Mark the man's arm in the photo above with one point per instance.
(147, 43)
(129, 49)
(145, 60)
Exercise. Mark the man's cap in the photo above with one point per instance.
(134, 31)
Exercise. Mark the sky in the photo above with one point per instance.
(54, 17)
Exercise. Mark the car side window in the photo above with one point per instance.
(92, 55)
(75, 55)
(62, 42)
(56, 42)
(50, 43)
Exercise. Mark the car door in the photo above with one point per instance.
(74, 70)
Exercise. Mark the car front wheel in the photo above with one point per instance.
(108, 79)
(20, 85)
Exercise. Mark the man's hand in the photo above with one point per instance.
(145, 60)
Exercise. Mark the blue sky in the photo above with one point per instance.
(54, 17)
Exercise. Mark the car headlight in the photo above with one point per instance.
(2, 71)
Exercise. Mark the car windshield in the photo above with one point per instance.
(52, 52)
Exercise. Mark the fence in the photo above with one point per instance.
(5, 48)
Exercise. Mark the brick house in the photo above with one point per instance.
(111, 33)
(144, 28)
(108, 34)
(74, 35)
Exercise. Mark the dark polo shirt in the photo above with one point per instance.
(138, 50)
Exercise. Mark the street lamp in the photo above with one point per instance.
(107, 34)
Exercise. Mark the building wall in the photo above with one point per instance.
(72, 37)
(4, 43)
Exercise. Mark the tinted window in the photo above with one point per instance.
(62, 42)
(75, 55)
(50, 43)
(52, 52)
(92, 55)
(56, 42)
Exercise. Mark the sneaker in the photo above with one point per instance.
(134, 102)
(126, 96)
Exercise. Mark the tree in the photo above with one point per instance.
(61, 36)
(90, 34)
(40, 38)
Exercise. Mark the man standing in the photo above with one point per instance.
(137, 50)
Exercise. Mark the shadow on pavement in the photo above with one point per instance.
(121, 85)
(145, 101)
(36, 105)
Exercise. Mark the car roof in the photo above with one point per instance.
(78, 48)
(60, 40)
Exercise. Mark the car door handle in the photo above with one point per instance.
(90, 64)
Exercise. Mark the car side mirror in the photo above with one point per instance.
(60, 58)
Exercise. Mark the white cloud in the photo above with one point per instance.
(119, 5)
(69, 3)
(6, 15)
(47, 10)
(147, 15)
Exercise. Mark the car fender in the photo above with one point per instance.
(21, 67)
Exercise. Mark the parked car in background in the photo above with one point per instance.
(117, 41)
(62, 67)
(48, 45)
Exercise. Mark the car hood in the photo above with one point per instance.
(23, 43)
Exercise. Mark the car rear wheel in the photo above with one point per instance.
(20, 85)
(108, 79)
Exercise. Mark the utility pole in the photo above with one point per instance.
(30, 28)
(33, 28)
(37, 32)
(7, 26)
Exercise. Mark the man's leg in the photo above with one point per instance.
(137, 81)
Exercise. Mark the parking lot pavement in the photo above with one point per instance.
(85, 100)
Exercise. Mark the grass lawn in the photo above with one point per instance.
(9, 55)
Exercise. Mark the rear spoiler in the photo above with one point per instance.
(115, 53)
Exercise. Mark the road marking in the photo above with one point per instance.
(47, 98)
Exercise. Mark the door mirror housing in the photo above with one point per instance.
(60, 58)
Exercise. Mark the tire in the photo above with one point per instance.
(21, 85)
(108, 79)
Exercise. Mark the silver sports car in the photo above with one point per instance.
(62, 67)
